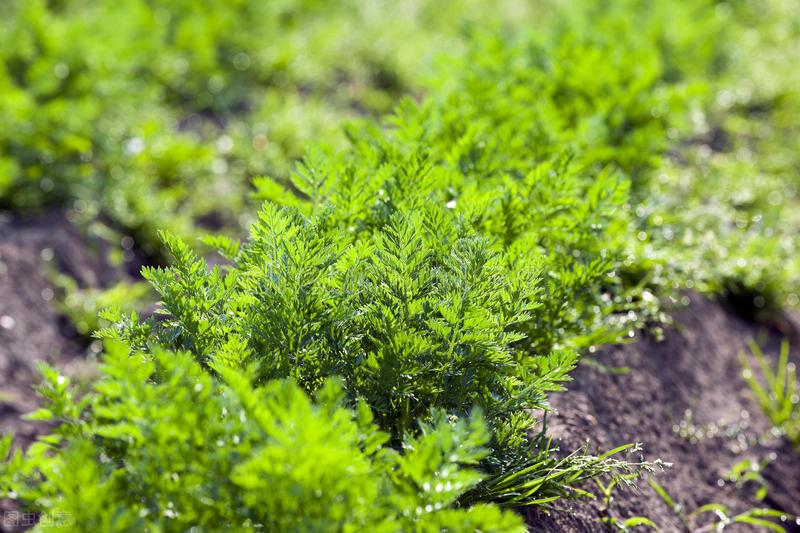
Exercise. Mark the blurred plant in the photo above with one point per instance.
(777, 391)
(723, 517)
(83, 306)
(749, 471)
(145, 126)
(140, 113)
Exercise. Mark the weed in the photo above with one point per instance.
(722, 516)
(778, 390)
(624, 525)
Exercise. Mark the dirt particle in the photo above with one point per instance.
(7, 322)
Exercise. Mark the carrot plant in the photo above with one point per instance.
(374, 354)
(420, 313)
(160, 444)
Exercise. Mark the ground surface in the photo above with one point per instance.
(30, 329)
(696, 369)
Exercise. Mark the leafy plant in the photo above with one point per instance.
(554, 185)
(419, 314)
(778, 390)
(161, 444)
(750, 471)
(82, 306)
(754, 517)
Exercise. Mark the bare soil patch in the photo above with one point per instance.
(692, 376)
(30, 329)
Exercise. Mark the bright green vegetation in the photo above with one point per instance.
(724, 208)
(140, 116)
(420, 314)
(148, 115)
(413, 290)
(134, 115)
(220, 454)
(776, 389)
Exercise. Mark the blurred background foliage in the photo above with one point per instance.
(137, 115)
(156, 114)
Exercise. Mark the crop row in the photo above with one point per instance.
(378, 353)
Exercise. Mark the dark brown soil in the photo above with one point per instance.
(30, 329)
(693, 375)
